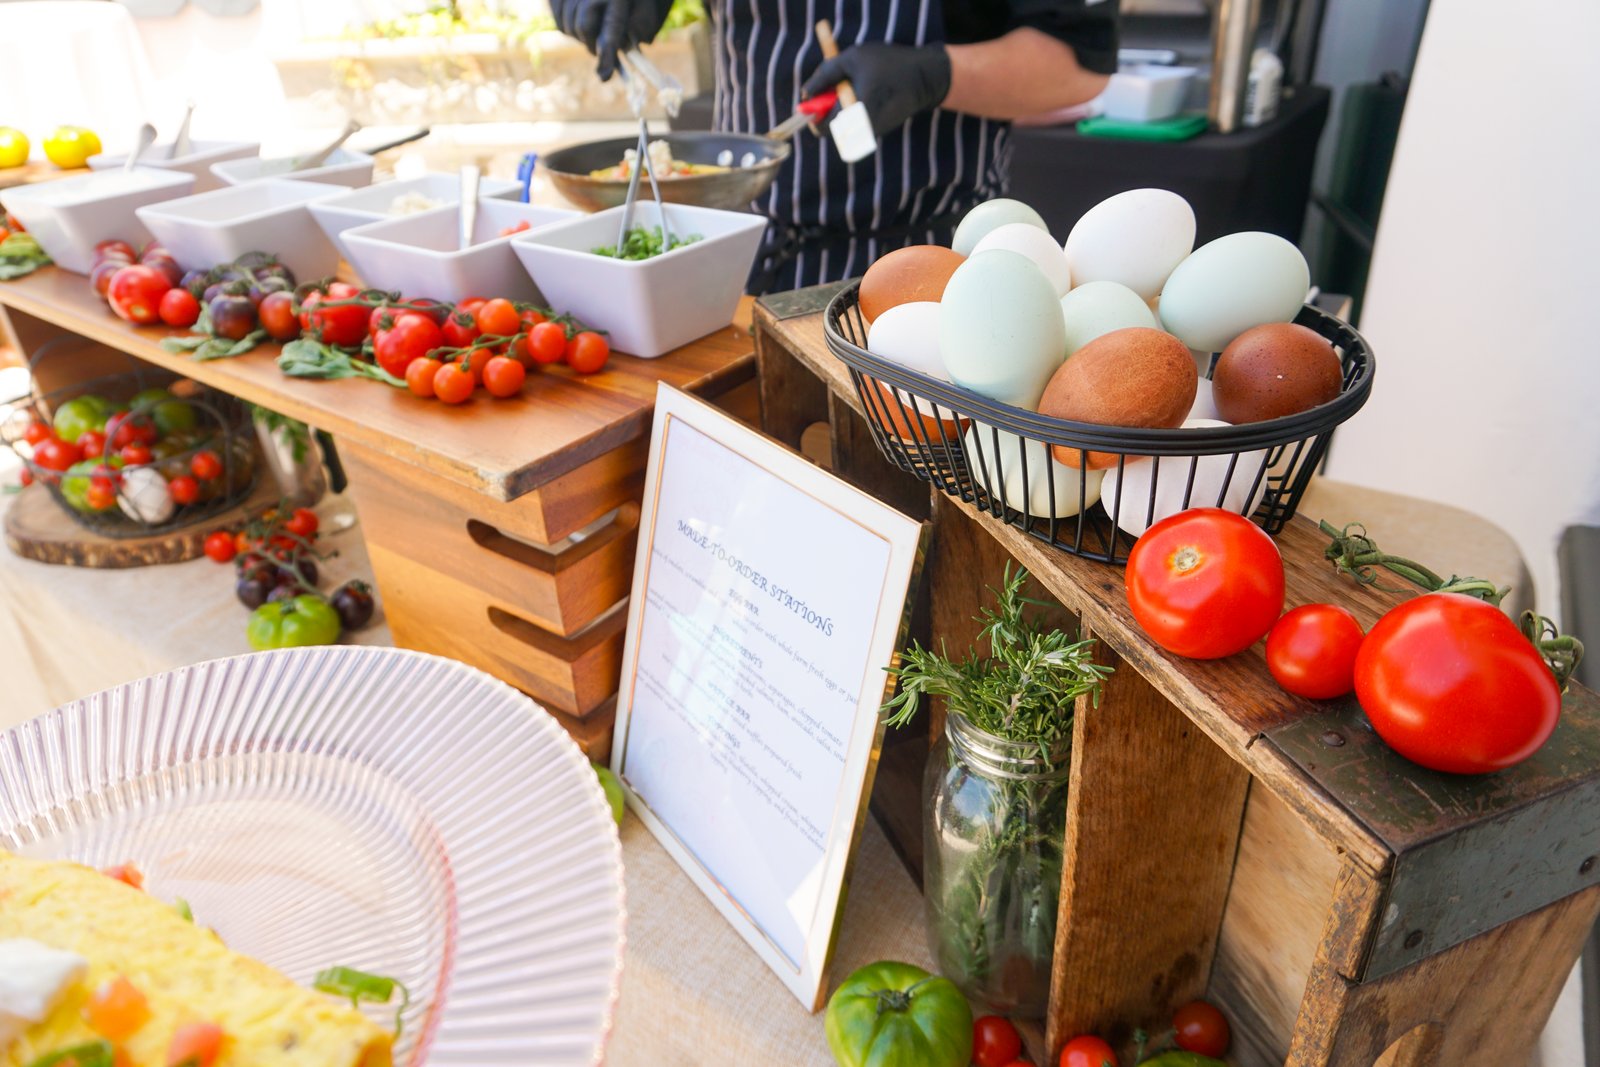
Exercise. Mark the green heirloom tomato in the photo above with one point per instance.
(1182, 1059)
(80, 415)
(293, 623)
(896, 1015)
(613, 789)
(170, 414)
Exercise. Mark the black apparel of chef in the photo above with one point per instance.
(940, 80)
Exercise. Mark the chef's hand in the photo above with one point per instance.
(895, 81)
(607, 27)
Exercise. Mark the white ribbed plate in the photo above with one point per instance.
(369, 807)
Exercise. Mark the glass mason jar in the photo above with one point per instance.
(994, 826)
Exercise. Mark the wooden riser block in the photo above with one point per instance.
(430, 611)
(560, 591)
(592, 732)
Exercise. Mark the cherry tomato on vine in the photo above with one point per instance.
(303, 523)
(343, 326)
(503, 376)
(1087, 1051)
(242, 542)
(37, 432)
(432, 308)
(1205, 583)
(206, 465)
(178, 308)
(995, 1042)
(531, 317)
(460, 329)
(382, 318)
(547, 342)
(453, 385)
(471, 304)
(220, 546)
(518, 350)
(412, 336)
(1200, 1028)
(497, 317)
(587, 352)
(420, 375)
(276, 313)
(183, 489)
(1311, 651)
(1451, 683)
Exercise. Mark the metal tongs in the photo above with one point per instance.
(638, 74)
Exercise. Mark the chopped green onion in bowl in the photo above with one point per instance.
(643, 243)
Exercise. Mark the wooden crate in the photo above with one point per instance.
(1228, 840)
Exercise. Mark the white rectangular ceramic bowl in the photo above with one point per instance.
(649, 306)
(209, 229)
(69, 216)
(1146, 93)
(343, 167)
(196, 161)
(375, 202)
(418, 255)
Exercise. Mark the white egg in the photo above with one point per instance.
(908, 334)
(1028, 240)
(1235, 282)
(1097, 308)
(1205, 404)
(1133, 512)
(1135, 239)
(991, 215)
(1030, 492)
(1000, 328)
(144, 496)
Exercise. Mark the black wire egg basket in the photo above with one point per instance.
(136, 500)
(1007, 461)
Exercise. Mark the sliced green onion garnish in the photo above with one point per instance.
(360, 986)
(181, 906)
(91, 1054)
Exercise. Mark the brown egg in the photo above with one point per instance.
(918, 272)
(910, 424)
(1136, 377)
(1275, 370)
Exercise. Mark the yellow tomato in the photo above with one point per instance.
(13, 147)
(71, 146)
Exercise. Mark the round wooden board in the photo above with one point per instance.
(37, 528)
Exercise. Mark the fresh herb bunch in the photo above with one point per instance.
(645, 243)
(1023, 691)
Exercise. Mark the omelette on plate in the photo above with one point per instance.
(102, 972)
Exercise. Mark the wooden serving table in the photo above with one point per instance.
(501, 532)
(1228, 840)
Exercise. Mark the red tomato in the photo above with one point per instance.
(219, 546)
(128, 430)
(127, 874)
(178, 308)
(1205, 583)
(242, 542)
(1020, 1063)
(470, 305)
(135, 454)
(518, 350)
(497, 318)
(92, 444)
(54, 454)
(420, 375)
(547, 342)
(135, 294)
(115, 250)
(587, 353)
(101, 273)
(1311, 651)
(101, 494)
(25, 477)
(1087, 1051)
(503, 376)
(412, 336)
(276, 313)
(452, 385)
(117, 1009)
(995, 1042)
(343, 326)
(37, 432)
(1200, 1028)
(195, 1044)
(460, 329)
(184, 489)
(303, 523)
(531, 318)
(206, 465)
(382, 318)
(1451, 683)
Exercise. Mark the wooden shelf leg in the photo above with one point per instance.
(1153, 819)
(1483, 1002)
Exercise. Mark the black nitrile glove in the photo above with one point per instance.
(607, 27)
(895, 81)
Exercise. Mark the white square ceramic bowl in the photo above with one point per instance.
(69, 216)
(374, 203)
(209, 229)
(197, 161)
(654, 305)
(417, 255)
(343, 167)
(1146, 93)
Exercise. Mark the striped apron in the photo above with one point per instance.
(830, 219)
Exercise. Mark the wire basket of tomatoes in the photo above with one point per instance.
(1089, 488)
(134, 454)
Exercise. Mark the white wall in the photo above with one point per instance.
(1485, 285)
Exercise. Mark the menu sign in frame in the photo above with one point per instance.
(769, 597)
